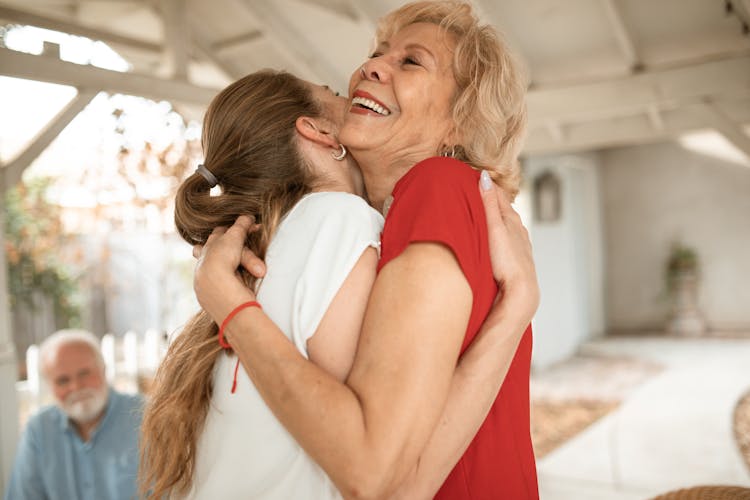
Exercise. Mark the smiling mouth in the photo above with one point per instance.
(365, 103)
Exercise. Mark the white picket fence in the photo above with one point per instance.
(130, 362)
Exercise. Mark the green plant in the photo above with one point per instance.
(33, 239)
(682, 260)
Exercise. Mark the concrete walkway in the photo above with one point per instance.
(672, 431)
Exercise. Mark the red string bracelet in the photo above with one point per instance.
(223, 343)
(234, 379)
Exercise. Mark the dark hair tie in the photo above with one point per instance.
(206, 173)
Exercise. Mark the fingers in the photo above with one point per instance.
(237, 231)
(492, 205)
(497, 232)
(252, 263)
(244, 223)
(506, 208)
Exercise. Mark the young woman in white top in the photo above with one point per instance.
(270, 145)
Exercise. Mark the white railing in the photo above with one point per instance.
(130, 362)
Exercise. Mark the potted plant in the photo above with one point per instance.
(682, 280)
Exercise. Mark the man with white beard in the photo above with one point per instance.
(86, 445)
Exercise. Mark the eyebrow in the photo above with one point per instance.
(334, 92)
(423, 48)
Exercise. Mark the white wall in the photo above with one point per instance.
(568, 255)
(655, 194)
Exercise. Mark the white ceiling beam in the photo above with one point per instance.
(369, 12)
(294, 45)
(47, 69)
(627, 131)
(555, 131)
(230, 70)
(66, 26)
(231, 42)
(201, 45)
(742, 8)
(655, 118)
(345, 10)
(720, 122)
(622, 35)
(13, 170)
(632, 94)
(73, 28)
(176, 37)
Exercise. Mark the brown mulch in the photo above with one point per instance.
(554, 422)
(742, 427)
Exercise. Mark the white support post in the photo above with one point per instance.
(624, 40)
(8, 365)
(151, 351)
(33, 377)
(130, 355)
(110, 358)
(177, 38)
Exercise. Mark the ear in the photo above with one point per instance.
(316, 130)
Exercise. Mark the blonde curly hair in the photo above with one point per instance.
(489, 108)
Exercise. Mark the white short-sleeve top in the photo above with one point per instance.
(244, 452)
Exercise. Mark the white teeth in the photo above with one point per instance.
(370, 104)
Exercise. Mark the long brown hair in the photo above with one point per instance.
(250, 147)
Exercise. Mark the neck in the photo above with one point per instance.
(85, 430)
(381, 174)
(341, 178)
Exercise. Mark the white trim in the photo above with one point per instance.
(47, 69)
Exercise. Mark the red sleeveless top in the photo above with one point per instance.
(438, 200)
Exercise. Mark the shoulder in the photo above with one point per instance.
(441, 172)
(47, 417)
(345, 205)
(437, 185)
(45, 426)
(127, 404)
(334, 211)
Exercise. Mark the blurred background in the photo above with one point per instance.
(636, 194)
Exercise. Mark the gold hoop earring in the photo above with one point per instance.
(339, 155)
(449, 153)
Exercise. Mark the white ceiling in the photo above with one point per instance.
(602, 72)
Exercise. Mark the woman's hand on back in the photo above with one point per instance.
(510, 250)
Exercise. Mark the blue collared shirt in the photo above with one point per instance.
(53, 462)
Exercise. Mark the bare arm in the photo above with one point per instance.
(368, 433)
(485, 363)
(335, 341)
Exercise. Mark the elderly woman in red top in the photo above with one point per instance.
(439, 101)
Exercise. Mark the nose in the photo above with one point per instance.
(375, 69)
(76, 384)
